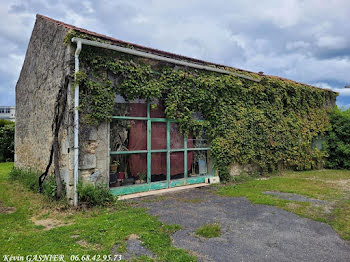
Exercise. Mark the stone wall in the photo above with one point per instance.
(46, 64)
(94, 154)
(48, 61)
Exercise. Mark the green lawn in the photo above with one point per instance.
(85, 232)
(330, 185)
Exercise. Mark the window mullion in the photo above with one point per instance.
(149, 159)
(168, 151)
(185, 158)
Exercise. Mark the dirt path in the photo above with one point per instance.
(249, 232)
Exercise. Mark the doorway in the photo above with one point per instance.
(148, 151)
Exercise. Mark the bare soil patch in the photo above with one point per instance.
(48, 223)
(6, 210)
(343, 184)
(85, 244)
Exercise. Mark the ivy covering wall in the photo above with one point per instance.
(271, 123)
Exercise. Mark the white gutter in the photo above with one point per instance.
(158, 57)
(76, 126)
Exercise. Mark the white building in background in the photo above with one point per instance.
(8, 112)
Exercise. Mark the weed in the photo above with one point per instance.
(123, 247)
(209, 230)
(98, 195)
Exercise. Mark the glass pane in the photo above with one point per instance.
(128, 135)
(126, 170)
(137, 107)
(158, 135)
(176, 138)
(158, 168)
(198, 163)
(177, 165)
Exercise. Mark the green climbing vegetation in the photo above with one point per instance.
(269, 123)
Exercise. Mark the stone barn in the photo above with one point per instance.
(134, 147)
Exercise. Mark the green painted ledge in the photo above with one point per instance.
(125, 190)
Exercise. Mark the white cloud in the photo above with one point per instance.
(297, 45)
(11, 64)
(323, 85)
(283, 13)
(330, 41)
(302, 40)
(342, 91)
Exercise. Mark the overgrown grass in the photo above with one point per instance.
(330, 185)
(28, 178)
(209, 230)
(100, 227)
(90, 195)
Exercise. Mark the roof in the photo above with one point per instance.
(165, 53)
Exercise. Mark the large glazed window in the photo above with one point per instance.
(146, 148)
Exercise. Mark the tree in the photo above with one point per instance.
(7, 140)
(338, 140)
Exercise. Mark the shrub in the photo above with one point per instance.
(50, 188)
(4, 122)
(7, 140)
(338, 140)
(98, 195)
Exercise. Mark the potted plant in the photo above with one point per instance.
(114, 166)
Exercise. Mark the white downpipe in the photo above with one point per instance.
(76, 126)
(158, 57)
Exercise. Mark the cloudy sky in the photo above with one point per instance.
(303, 40)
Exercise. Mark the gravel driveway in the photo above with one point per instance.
(249, 232)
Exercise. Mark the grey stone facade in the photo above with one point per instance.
(47, 63)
